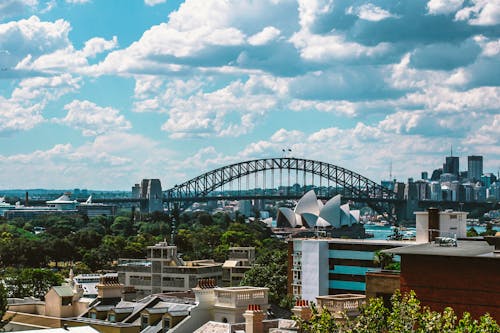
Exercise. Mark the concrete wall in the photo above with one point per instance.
(314, 269)
(378, 283)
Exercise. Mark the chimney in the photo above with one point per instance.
(129, 293)
(433, 223)
(254, 317)
(302, 310)
(204, 293)
(26, 200)
(109, 287)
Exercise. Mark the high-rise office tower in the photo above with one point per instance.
(474, 167)
(451, 165)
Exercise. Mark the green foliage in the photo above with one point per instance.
(372, 317)
(405, 315)
(386, 261)
(405, 312)
(270, 270)
(33, 282)
(3, 307)
(489, 230)
(472, 232)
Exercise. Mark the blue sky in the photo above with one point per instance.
(100, 94)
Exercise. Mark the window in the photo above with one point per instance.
(93, 315)
(144, 321)
(166, 324)
(112, 317)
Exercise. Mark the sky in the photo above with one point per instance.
(99, 94)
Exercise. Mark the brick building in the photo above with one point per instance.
(465, 276)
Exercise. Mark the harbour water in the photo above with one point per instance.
(381, 232)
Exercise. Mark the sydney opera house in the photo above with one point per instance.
(311, 212)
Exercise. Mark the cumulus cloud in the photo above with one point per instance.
(110, 161)
(23, 109)
(370, 12)
(482, 12)
(98, 45)
(265, 36)
(9, 8)
(93, 119)
(77, 1)
(154, 2)
(437, 7)
(207, 114)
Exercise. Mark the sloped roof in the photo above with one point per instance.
(63, 291)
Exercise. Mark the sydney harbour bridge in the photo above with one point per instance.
(289, 178)
(274, 178)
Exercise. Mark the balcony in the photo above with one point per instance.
(339, 304)
(240, 296)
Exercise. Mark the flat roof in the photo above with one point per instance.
(360, 241)
(464, 248)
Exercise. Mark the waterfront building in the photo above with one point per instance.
(164, 271)
(474, 167)
(91, 209)
(434, 223)
(311, 212)
(4, 206)
(63, 203)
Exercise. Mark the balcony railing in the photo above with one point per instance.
(339, 304)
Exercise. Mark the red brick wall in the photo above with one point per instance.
(465, 284)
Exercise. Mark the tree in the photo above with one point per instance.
(270, 270)
(31, 281)
(405, 315)
(472, 232)
(3, 307)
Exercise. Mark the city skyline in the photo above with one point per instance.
(99, 95)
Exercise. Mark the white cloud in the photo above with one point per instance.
(98, 45)
(23, 109)
(482, 12)
(325, 48)
(340, 107)
(32, 38)
(93, 119)
(77, 1)
(282, 135)
(10, 8)
(370, 12)
(212, 113)
(488, 134)
(437, 7)
(110, 161)
(154, 2)
(265, 36)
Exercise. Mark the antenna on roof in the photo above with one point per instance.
(390, 170)
(451, 149)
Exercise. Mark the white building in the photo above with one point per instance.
(446, 223)
(311, 212)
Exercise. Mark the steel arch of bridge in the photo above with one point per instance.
(359, 187)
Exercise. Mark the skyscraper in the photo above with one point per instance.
(451, 165)
(474, 167)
